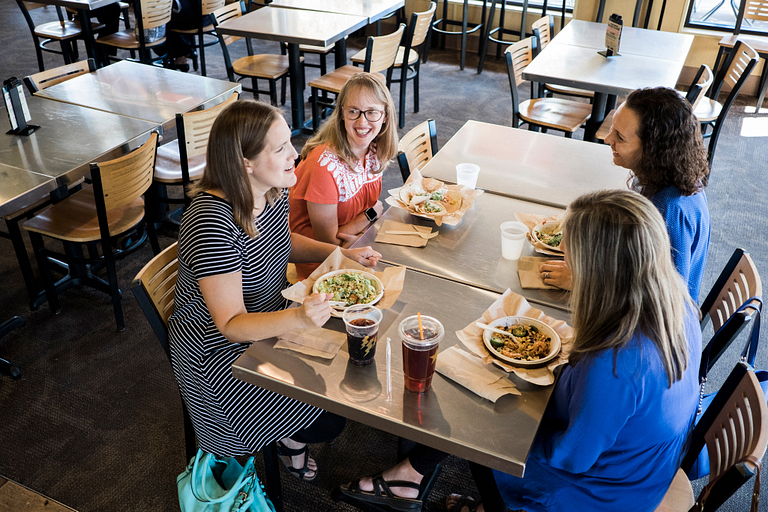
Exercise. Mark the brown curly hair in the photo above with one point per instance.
(673, 150)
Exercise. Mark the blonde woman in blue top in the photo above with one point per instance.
(618, 422)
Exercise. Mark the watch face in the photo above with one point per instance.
(370, 214)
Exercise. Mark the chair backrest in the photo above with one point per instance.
(31, 6)
(221, 15)
(417, 147)
(543, 30)
(751, 10)
(193, 128)
(153, 13)
(209, 6)
(701, 84)
(519, 55)
(421, 22)
(382, 50)
(154, 287)
(45, 79)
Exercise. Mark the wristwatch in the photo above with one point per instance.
(371, 214)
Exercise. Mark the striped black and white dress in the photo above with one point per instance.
(230, 417)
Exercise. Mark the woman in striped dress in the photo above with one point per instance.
(234, 247)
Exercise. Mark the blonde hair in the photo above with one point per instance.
(239, 132)
(624, 281)
(334, 133)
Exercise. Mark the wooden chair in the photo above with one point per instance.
(417, 147)
(45, 79)
(150, 14)
(754, 10)
(207, 7)
(108, 212)
(699, 88)
(182, 161)
(735, 430)
(415, 41)
(740, 63)
(381, 53)
(543, 31)
(63, 31)
(265, 67)
(563, 115)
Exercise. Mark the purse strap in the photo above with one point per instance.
(245, 479)
(702, 499)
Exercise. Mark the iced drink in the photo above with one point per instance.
(362, 324)
(420, 355)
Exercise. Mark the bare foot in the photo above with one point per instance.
(402, 471)
(297, 461)
(452, 499)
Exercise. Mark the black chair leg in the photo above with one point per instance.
(416, 89)
(403, 82)
(113, 288)
(272, 469)
(255, 86)
(6, 367)
(273, 92)
(42, 264)
(315, 111)
(489, 491)
(283, 82)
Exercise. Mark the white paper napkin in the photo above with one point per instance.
(471, 372)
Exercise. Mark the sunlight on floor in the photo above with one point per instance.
(754, 126)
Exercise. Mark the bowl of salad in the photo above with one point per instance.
(549, 234)
(350, 287)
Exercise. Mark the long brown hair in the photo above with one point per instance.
(239, 132)
(624, 282)
(673, 149)
(334, 133)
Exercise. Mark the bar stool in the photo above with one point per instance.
(501, 30)
(465, 27)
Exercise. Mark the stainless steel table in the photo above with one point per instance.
(20, 188)
(648, 58)
(374, 10)
(295, 27)
(531, 166)
(470, 252)
(142, 92)
(447, 417)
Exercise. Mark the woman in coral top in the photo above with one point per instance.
(338, 183)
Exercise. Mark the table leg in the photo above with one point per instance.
(340, 52)
(465, 13)
(90, 43)
(596, 119)
(297, 88)
(14, 233)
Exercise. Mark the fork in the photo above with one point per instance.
(422, 235)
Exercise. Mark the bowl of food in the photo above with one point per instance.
(550, 234)
(436, 202)
(350, 287)
(530, 342)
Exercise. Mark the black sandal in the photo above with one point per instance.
(382, 499)
(463, 501)
(300, 473)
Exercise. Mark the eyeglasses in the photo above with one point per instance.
(371, 115)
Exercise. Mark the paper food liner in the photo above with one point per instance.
(406, 240)
(471, 372)
(391, 278)
(531, 221)
(512, 304)
(317, 342)
(530, 275)
(467, 195)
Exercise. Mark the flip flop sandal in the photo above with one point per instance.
(463, 501)
(382, 499)
(300, 473)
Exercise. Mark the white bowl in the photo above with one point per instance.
(534, 238)
(377, 284)
(506, 321)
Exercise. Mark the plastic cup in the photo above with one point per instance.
(512, 239)
(420, 355)
(362, 323)
(466, 174)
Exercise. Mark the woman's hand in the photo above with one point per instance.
(556, 273)
(363, 255)
(316, 308)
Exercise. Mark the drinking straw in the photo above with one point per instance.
(421, 329)
(389, 371)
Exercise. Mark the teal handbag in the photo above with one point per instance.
(221, 484)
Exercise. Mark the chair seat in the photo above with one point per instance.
(262, 66)
(74, 219)
(555, 113)
(571, 91)
(206, 30)
(679, 496)
(335, 80)
(707, 110)
(760, 44)
(168, 164)
(413, 57)
(127, 39)
(54, 30)
(605, 128)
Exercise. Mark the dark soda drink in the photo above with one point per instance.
(420, 346)
(362, 346)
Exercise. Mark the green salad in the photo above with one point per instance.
(349, 287)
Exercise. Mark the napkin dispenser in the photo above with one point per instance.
(613, 36)
(16, 106)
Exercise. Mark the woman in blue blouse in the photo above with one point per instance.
(616, 427)
(656, 136)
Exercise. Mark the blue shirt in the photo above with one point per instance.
(610, 441)
(687, 219)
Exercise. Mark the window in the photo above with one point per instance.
(721, 15)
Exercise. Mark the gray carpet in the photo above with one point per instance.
(95, 422)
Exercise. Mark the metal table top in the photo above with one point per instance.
(293, 26)
(85, 5)
(447, 417)
(528, 165)
(142, 92)
(70, 138)
(372, 9)
(469, 252)
(20, 188)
